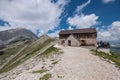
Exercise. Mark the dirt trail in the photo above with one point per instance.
(78, 64)
(75, 63)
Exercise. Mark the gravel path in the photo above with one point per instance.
(78, 64)
(75, 63)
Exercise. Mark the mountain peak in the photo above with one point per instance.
(16, 34)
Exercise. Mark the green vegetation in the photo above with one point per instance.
(10, 50)
(40, 71)
(32, 49)
(111, 57)
(55, 62)
(49, 52)
(46, 76)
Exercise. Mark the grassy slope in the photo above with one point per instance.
(50, 51)
(11, 50)
(27, 53)
(111, 57)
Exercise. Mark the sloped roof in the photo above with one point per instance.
(86, 30)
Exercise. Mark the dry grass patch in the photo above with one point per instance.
(109, 57)
(46, 76)
(55, 62)
(40, 71)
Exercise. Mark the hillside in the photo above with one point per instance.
(1, 44)
(41, 59)
(24, 56)
(48, 63)
(17, 34)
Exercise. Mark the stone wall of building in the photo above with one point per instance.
(88, 41)
(73, 40)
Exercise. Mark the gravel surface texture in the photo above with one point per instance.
(78, 64)
(75, 63)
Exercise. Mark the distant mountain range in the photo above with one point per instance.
(15, 35)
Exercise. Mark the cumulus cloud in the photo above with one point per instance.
(31, 14)
(54, 34)
(107, 1)
(112, 34)
(80, 20)
(83, 21)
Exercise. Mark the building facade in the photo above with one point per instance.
(78, 37)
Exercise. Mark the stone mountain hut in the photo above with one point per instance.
(78, 37)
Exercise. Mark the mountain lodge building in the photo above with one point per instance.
(78, 37)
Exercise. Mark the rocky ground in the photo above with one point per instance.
(33, 68)
(78, 64)
(75, 63)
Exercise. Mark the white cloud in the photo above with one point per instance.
(2, 28)
(31, 14)
(112, 34)
(107, 1)
(79, 8)
(103, 35)
(70, 28)
(83, 21)
(55, 34)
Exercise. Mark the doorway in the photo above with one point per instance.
(83, 43)
(69, 42)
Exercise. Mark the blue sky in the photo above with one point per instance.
(49, 17)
